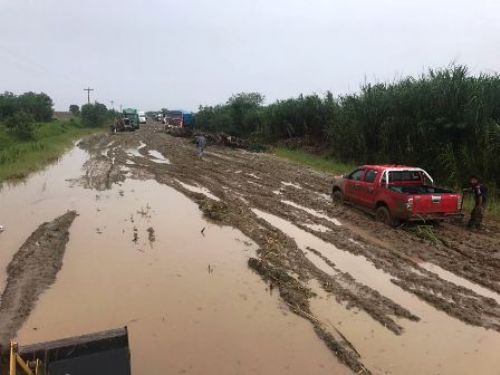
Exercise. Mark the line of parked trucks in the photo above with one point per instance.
(131, 119)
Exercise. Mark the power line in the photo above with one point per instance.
(88, 94)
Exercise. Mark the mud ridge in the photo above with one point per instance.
(32, 270)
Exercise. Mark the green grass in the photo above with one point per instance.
(19, 158)
(317, 162)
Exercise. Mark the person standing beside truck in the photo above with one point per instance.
(480, 193)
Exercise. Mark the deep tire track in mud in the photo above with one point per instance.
(32, 270)
(245, 181)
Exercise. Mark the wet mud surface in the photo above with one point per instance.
(381, 300)
(32, 270)
(378, 267)
(141, 254)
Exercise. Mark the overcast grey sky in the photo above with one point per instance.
(180, 54)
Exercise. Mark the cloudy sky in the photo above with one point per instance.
(180, 54)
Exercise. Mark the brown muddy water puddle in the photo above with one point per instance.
(189, 300)
(437, 344)
(313, 212)
(457, 280)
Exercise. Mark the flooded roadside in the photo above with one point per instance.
(188, 298)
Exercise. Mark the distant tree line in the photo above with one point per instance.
(19, 112)
(38, 106)
(93, 115)
(96, 115)
(446, 121)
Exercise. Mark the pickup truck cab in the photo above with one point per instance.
(395, 193)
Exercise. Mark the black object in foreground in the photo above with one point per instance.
(101, 353)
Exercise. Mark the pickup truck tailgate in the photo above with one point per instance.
(436, 203)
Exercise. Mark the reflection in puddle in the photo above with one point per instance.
(253, 175)
(324, 196)
(436, 345)
(356, 242)
(198, 189)
(457, 280)
(320, 263)
(313, 212)
(254, 183)
(158, 157)
(296, 186)
(133, 152)
(421, 347)
(317, 227)
(190, 302)
(358, 266)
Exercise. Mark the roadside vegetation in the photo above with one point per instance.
(446, 121)
(322, 163)
(29, 136)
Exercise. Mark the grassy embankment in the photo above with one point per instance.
(333, 166)
(320, 163)
(18, 158)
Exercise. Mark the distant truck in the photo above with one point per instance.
(131, 119)
(178, 119)
(142, 117)
(396, 193)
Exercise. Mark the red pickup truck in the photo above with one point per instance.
(396, 193)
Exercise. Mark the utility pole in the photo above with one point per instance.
(88, 94)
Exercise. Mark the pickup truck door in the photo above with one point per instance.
(352, 185)
(367, 188)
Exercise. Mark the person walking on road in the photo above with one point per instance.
(480, 193)
(201, 143)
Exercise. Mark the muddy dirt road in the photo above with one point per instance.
(354, 295)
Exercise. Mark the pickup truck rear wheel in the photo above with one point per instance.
(383, 215)
(337, 196)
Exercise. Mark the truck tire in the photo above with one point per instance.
(383, 215)
(337, 196)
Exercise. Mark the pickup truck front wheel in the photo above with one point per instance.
(383, 215)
